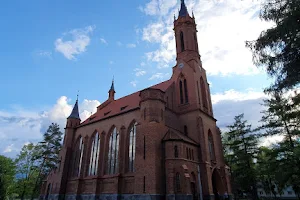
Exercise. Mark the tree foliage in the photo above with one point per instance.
(27, 170)
(241, 148)
(46, 157)
(7, 172)
(277, 49)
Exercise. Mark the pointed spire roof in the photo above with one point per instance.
(112, 87)
(75, 112)
(183, 10)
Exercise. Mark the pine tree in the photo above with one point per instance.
(47, 157)
(241, 146)
(282, 117)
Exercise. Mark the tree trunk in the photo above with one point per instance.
(37, 180)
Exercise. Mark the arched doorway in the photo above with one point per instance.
(217, 184)
(193, 186)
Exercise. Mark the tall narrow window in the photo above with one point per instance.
(144, 113)
(185, 130)
(185, 91)
(203, 93)
(198, 92)
(182, 41)
(211, 146)
(177, 183)
(196, 43)
(175, 151)
(132, 140)
(144, 186)
(78, 154)
(113, 152)
(181, 92)
(190, 152)
(144, 147)
(187, 153)
(93, 167)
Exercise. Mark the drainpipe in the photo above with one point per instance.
(199, 183)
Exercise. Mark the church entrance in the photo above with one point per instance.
(193, 186)
(218, 188)
(194, 190)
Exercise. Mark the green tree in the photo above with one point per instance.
(277, 49)
(241, 148)
(27, 169)
(7, 174)
(281, 117)
(46, 157)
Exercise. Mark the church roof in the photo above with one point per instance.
(122, 105)
(173, 134)
(75, 112)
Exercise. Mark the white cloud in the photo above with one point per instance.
(139, 72)
(133, 83)
(20, 126)
(143, 64)
(80, 39)
(223, 27)
(131, 45)
(235, 96)
(102, 40)
(44, 53)
(159, 76)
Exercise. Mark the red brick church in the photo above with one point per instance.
(160, 143)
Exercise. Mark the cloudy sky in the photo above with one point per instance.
(52, 49)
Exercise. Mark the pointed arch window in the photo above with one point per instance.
(79, 147)
(132, 145)
(177, 183)
(203, 93)
(113, 152)
(211, 146)
(175, 151)
(182, 41)
(94, 159)
(196, 42)
(181, 92)
(185, 91)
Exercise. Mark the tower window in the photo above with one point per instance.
(181, 92)
(196, 43)
(211, 146)
(185, 91)
(185, 130)
(175, 151)
(182, 41)
(187, 153)
(203, 93)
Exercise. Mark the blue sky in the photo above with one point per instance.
(52, 49)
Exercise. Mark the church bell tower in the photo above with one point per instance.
(186, 35)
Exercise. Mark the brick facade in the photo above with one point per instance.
(176, 141)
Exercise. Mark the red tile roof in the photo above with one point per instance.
(129, 102)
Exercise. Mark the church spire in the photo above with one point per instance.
(75, 112)
(183, 10)
(111, 91)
